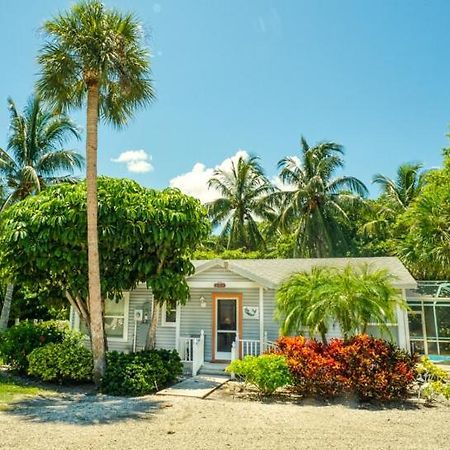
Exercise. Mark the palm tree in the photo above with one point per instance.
(244, 190)
(34, 159)
(313, 202)
(353, 297)
(295, 298)
(405, 188)
(95, 56)
(396, 196)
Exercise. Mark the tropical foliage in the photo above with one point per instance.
(35, 156)
(372, 369)
(244, 190)
(95, 56)
(145, 236)
(266, 372)
(352, 297)
(423, 240)
(314, 201)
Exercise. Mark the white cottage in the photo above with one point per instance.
(230, 312)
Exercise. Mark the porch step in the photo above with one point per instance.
(213, 369)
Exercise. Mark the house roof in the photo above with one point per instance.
(271, 272)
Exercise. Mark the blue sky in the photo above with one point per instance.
(256, 74)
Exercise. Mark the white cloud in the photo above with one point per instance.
(137, 161)
(195, 182)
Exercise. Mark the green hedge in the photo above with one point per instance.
(68, 361)
(17, 342)
(140, 373)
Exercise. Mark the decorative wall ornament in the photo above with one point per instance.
(251, 312)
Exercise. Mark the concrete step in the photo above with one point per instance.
(213, 369)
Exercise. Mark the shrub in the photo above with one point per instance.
(373, 369)
(377, 369)
(266, 372)
(314, 369)
(140, 373)
(433, 381)
(67, 361)
(19, 341)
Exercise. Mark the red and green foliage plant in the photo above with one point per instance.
(313, 368)
(372, 369)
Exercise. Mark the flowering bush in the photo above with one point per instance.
(433, 381)
(371, 368)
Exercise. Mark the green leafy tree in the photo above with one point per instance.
(95, 56)
(422, 237)
(34, 158)
(314, 203)
(244, 190)
(352, 297)
(145, 236)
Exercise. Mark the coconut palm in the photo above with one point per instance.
(313, 201)
(405, 188)
(35, 157)
(95, 56)
(352, 297)
(396, 196)
(244, 190)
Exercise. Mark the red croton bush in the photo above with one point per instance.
(371, 368)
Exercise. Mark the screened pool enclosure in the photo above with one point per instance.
(429, 319)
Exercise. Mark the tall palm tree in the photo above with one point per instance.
(313, 201)
(95, 55)
(244, 189)
(35, 157)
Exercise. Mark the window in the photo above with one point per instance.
(116, 319)
(168, 316)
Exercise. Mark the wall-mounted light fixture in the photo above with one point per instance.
(202, 302)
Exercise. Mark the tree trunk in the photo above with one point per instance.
(151, 336)
(4, 318)
(95, 300)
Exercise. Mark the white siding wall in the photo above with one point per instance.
(271, 326)
(195, 318)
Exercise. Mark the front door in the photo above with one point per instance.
(226, 329)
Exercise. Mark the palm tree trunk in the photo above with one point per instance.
(95, 300)
(4, 318)
(151, 336)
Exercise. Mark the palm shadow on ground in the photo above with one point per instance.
(82, 409)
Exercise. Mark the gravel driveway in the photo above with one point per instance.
(99, 422)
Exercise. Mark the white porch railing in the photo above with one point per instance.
(250, 347)
(192, 350)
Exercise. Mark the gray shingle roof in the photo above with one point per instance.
(271, 272)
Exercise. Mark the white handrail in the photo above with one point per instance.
(198, 353)
(185, 348)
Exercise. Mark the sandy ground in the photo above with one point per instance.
(76, 421)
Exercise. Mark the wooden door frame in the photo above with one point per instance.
(229, 295)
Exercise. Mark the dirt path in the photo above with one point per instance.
(91, 422)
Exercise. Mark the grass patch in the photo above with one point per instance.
(13, 390)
